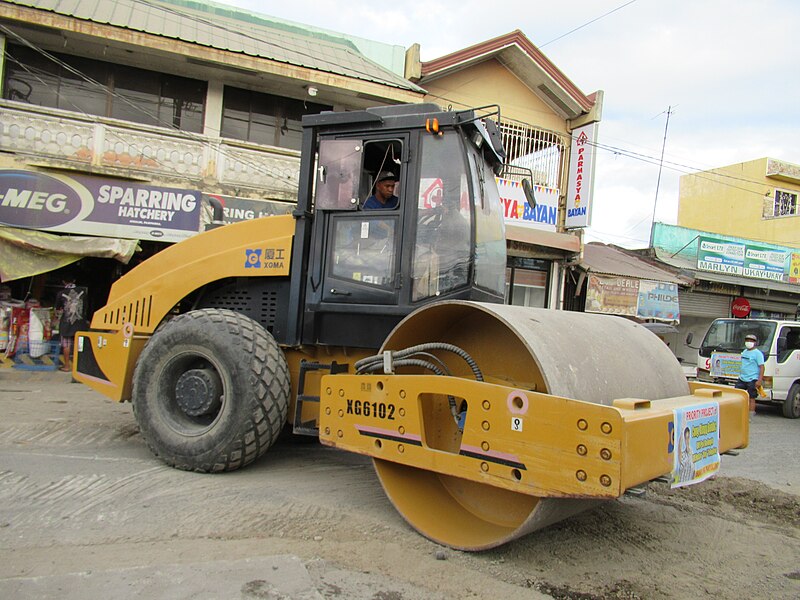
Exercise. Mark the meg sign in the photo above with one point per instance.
(96, 206)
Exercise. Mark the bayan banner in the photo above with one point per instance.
(96, 206)
(517, 211)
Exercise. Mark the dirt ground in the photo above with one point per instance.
(80, 493)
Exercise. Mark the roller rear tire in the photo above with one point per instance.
(211, 391)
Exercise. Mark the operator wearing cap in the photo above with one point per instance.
(751, 373)
(384, 197)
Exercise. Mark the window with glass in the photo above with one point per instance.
(527, 286)
(788, 342)
(444, 219)
(264, 118)
(103, 89)
(785, 204)
(363, 249)
(490, 230)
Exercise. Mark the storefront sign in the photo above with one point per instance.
(612, 295)
(643, 299)
(245, 209)
(740, 307)
(764, 263)
(745, 260)
(581, 177)
(517, 211)
(96, 206)
(794, 268)
(658, 300)
(722, 257)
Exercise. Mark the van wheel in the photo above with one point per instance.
(791, 406)
(211, 391)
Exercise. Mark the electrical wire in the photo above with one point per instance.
(587, 23)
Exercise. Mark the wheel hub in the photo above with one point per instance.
(198, 392)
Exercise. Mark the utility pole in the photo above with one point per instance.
(658, 182)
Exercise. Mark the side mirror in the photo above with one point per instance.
(528, 190)
(689, 338)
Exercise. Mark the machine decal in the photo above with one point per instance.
(268, 258)
(388, 434)
(378, 410)
(501, 458)
(252, 259)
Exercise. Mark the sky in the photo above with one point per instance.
(728, 72)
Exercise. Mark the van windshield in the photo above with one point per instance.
(727, 335)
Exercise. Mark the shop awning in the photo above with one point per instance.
(612, 260)
(28, 252)
(538, 243)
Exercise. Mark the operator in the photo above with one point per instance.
(383, 198)
(751, 373)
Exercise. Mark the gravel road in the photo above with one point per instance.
(87, 512)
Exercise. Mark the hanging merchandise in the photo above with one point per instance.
(39, 331)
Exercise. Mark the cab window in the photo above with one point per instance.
(788, 342)
(363, 249)
(444, 219)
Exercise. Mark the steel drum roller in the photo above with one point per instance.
(595, 358)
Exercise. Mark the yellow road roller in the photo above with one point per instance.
(373, 318)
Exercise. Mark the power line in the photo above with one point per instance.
(571, 31)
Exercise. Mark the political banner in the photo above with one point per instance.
(695, 443)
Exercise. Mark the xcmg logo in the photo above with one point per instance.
(36, 200)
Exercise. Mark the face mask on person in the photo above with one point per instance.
(749, 345)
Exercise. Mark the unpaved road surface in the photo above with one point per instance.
(87, 512)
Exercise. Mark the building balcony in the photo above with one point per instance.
(39, 137)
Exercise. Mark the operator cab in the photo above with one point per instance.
(443, 238)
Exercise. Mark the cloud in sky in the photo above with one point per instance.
(728, 70)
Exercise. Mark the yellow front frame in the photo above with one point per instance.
(528, 442)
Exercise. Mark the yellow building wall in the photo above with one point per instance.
(731, 201)
(490, 82)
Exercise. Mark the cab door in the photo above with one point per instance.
(361, 250)
(355, 271)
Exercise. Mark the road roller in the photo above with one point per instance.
(373, 318)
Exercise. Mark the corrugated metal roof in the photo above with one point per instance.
(611, 260)
(223, 28)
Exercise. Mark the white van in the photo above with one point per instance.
(719, 356)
